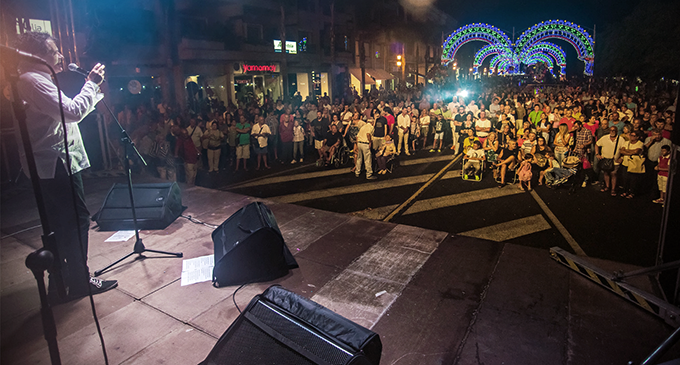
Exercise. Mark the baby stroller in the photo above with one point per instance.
(559, 176)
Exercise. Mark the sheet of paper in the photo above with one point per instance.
(197, 270)
(121, 236)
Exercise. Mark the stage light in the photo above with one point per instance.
(399, 63)
(399, 57)
(463, 93)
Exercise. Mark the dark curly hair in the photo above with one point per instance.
(34, 42)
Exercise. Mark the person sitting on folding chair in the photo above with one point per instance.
(473, 161)
(506, 160)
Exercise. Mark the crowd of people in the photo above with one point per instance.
(601, 134)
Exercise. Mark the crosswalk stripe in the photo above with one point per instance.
(446, 201)
(560, 227)
(316, 174)
(461, 198)
(366, 289)
(508, 230)
(359, 188)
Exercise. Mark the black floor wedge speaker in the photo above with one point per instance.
(156, 205)
(280, 327)
(249, 248)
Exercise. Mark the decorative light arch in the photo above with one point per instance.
(487, 51)
(540, 57)
(547, 48)
(564, 30)
(529, 43)
(473, 32)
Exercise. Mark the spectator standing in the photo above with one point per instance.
(403, 125)
(298, 142)
(363, 155)
(633, 160)
(424, 125)
(380, 129)
(653, 145)
(607, 149)
(214, 138)
(261, 132)
(535, 115)
(243, 149)
(662, 167)
(286, 133)
(187, 151)
(273, 122)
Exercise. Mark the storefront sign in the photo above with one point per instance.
(291, 46)
(259, 68)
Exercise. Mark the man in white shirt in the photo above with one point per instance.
(37, 89)
(364, 139)
(403, 125)
(482, 126)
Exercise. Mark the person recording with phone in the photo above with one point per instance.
(37, 89)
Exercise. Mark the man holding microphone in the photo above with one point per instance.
(37, 89)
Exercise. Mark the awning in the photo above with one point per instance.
(356, 72)
(379, 74)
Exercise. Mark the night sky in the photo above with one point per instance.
(524, 14)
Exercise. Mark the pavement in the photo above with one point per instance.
(448, 298)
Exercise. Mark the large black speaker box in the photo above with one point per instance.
(156, 206)
(282, 328)
(249, 248)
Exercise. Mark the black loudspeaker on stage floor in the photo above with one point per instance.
(282, 328)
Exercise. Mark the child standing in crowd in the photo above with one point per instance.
(662, 168)
(524, 172)
(298, 142)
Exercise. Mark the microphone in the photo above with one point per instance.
(74, 68)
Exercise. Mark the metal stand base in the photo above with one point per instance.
(139, 249)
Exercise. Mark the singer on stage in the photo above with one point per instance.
(37, 89)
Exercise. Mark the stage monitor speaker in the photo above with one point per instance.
(280, 327)
(249, 248)
(156, 205)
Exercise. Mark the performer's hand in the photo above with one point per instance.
(97, 74)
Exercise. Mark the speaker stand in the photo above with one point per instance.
(139, 247)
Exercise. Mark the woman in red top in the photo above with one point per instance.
(286, 134)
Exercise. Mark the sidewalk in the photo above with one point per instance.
(447, 300)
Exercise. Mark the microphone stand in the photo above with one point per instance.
(139, 247)
(46, 257)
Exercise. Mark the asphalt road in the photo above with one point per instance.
(423, 192)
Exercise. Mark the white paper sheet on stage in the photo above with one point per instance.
(197, 270)
(121, 236)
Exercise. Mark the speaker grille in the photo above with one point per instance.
(300, 335)
(253, 346)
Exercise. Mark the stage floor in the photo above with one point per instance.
(432, 297)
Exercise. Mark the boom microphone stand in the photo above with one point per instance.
(139, 248)
(46, 257)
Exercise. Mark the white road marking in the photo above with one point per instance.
(360, 188)
(508, 230)
(313, 175)
(446, 201)
(572, 242)
(388, 266)
(461, 198)
(434, 178)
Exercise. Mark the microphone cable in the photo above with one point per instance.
(75, 212)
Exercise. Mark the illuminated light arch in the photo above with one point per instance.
(564, 30)
(488, 50)
(555, 51)
(541, 57)
(470, 33)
